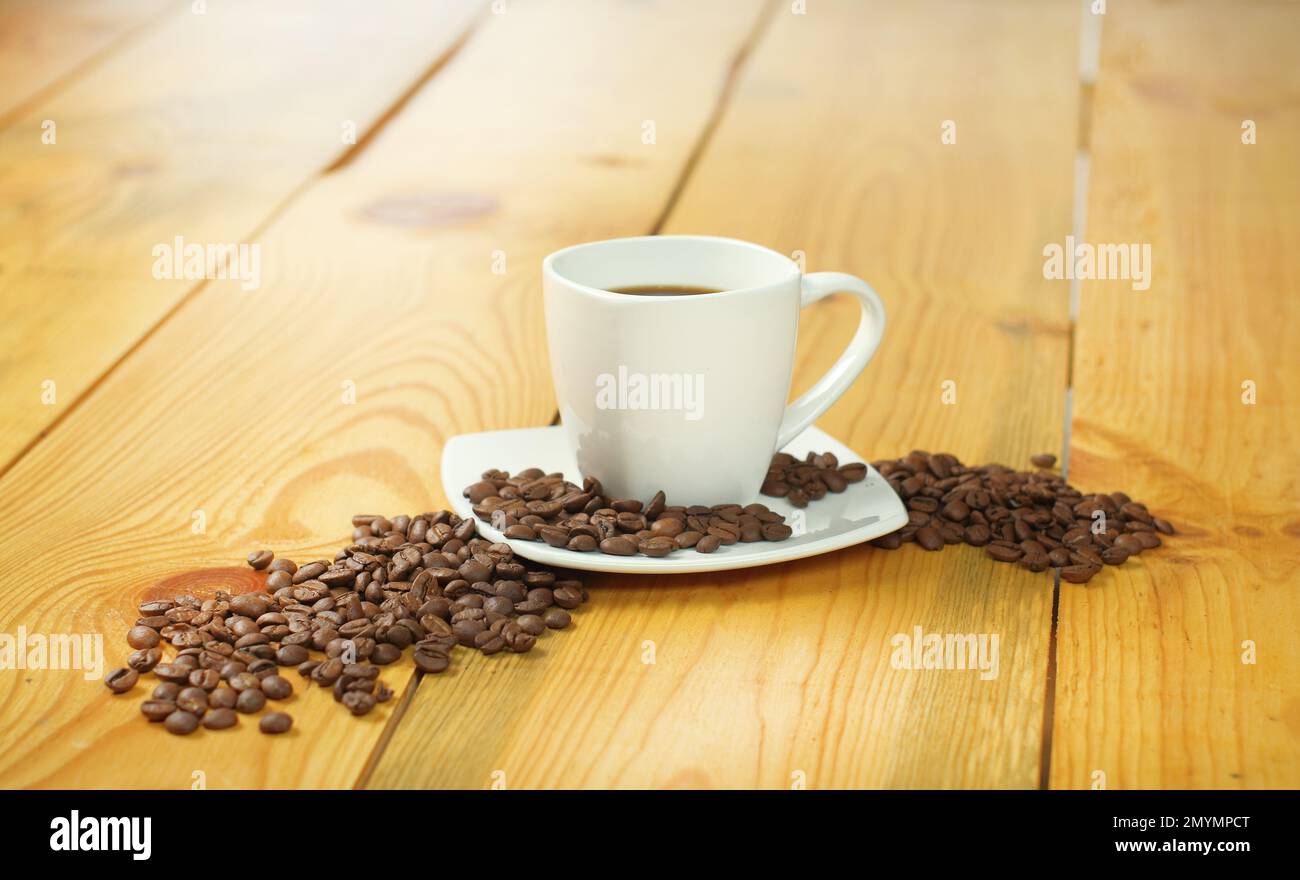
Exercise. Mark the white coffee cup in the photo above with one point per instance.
(687, 393)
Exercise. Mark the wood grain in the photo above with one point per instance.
(380, 275)
(1152, 690)
(200, 128)
(43, 45)
(780, 676)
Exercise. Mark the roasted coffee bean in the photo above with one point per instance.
(260, 559)
(275, 722)
(142, 637)
(359, 702)
(245, 681)
(557, 618)
(385, 654)
(1114, 556)
(1078, 574)
(1043, 460)
(193, 700)
(929, 538)
(157, 710)
(206, 679)
(776, 531)
(250, 701)
(279, 579)
(282, 565)
(181, 722)
(119, 681)
(708, 544)
(220, 719)
(328, 672)
(489, 642)
(144, 661)
(291, 655)
(223, 698)
(166, 691)
(276, 687)
(431, 661)
(1148, 540)
(1004, 554)
(519, 641)
(531, 623)
(618, 546)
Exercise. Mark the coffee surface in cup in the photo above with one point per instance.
(663, 290)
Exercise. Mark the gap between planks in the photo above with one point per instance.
(1089, 69)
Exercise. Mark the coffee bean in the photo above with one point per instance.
(489, 642)
(244, 681)
(359, 702)
(282, 565)
(142, 637)
(144, 661)
(157, 710)
(205, 679)
(382, 655)
(1004, 554)
(618, 546)
(1078, 574)
(519, 641)
(193, 700)
(167, 691)
(532, 624)
(220, 719)
(119, 681)
(223, 698)
(654, 547)
(557, 618)
(929, 538)
(260, 559)
(279, 579)
(1148, 540)
(181, 723)
(1114, 556)
(708, 544)
(431, 662)
(1042, 460)
(277, 688)
(776, 531)
(275, 722)
(291, 655)
(250, 701)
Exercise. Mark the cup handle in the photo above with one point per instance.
(818, 285)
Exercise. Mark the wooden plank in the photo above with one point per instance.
(42, 44)
(380, 275)
(768, 677)
(1152, 690)
(200, 129)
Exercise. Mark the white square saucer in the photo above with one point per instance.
(866, 510)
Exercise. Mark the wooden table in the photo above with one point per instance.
(154, 427)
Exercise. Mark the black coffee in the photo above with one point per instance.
(663, 290)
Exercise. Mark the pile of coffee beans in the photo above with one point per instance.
(427, 582)
(534, 506)
(799, 482)
(1033, 518)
